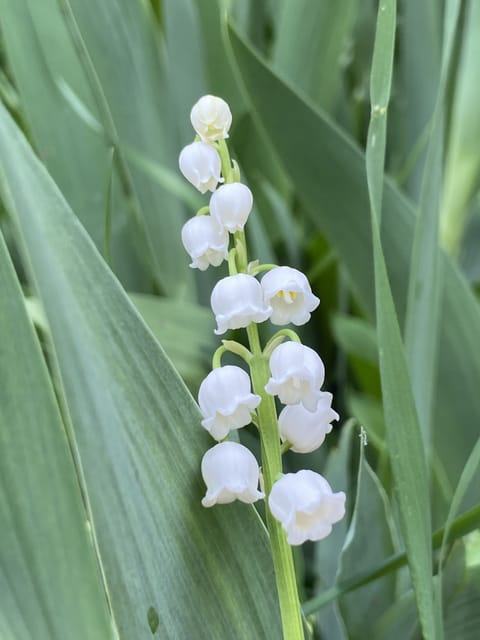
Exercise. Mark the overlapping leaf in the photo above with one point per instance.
(166, 560)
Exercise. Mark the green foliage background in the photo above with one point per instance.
(105, 332)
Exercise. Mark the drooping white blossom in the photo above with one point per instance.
(231, 204)
(205, 241)
(288, 291)
(226, 401)
(230, 472)
(201, 165)
(211, 118)
(306, 430)
(306, 506)
(237, 301)
(297, 375)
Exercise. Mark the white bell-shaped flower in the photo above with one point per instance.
(237, 301)
(297, 375)
(226, 401)
(201, 165)
(231, 204)
(306, 430)
(230, 472)
(211, 118)
(306, 506)
(205, 241)
(289, 293)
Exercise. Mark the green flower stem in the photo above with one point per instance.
(269, 438)
(272, 469)
(278, 338)
(232, 262)
(262, 267)
(227, 169)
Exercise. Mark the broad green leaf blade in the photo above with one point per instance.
(327, 552)
(186, 68)
(120, 52)
(407, 454)
(328, 171)
(364, 545)
(426, 278)
(49, 579)
(467, 523)
(419, 69)
(185, 331)
(77, 157)
(469, 473)
(356, 336)
(462, 168)
(399, 622)
(311, 39)
(205, 573)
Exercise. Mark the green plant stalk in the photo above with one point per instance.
(267, 424)
(272, 468)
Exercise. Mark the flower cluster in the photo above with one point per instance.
(302, 502)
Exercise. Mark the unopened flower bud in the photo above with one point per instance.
(297, 375)
(306, 430)
(211, 118)
(201, 165)
(230, 472)
(237, 301)
(306, 506)
(205, 241)
(226, 400)
(231, 204)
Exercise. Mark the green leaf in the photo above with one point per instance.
(128, 80)
(461, 581)
(310, 41)
(426, 278)
(327, 552)
(33, 34)
(467, 523)
(49, 580)
(462, 167)
(328, 171)
(356, 336)
(185, 331)
(362, 548)
(187, 68)
(207, 573)
(407, 454)
(419, 69)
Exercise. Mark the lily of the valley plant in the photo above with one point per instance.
(302, 505)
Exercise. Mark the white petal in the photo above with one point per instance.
(288, 291)
(211, 118)
(226, 401)
(231, 205)
(237, 301)
(306, 430)
(297, 375)
(230, 472)
(206, 242)
(306, 506)
(201, 165)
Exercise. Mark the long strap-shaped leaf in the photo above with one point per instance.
(169, 564)
(49, 583)
(406, 450)
(328, 172)
(426, 275)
